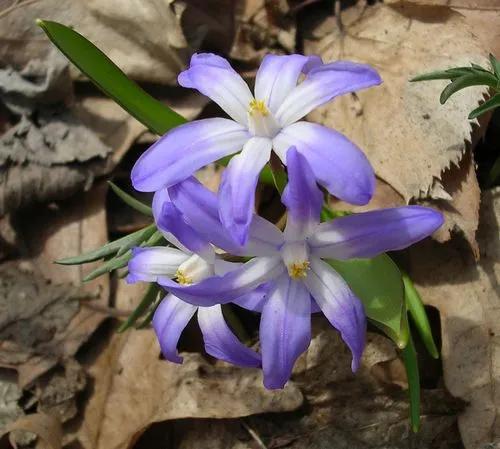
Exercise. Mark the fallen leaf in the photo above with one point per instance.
(150, 41)
(466, 294)
(73, 227)
(44, 426)
(408, 136)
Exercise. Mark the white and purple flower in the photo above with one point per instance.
(291, 267)
(194, 261)
(261, 123)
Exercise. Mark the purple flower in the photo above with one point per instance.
(261, 123)
(291, 265)
(196, 260)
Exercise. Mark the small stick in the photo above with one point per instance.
(254, 435)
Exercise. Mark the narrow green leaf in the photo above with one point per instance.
(109, 248)
(131, 201)
(149, 317)
(148, 299)
(417, 312)
(467, 81)
(158, 117)
(280, 179)
(495, 65)
(411, 366)
(379, 285)
(142, 240)
(156, 238)
(330, 214)
(448, 74)
(492, 103)
(110, 265)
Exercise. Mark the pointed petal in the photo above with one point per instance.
(171, 220)
(214, 77)
(147, 264)
(322, 84)
(285, 330)
(371, 233)
(169, 320)
(339, 305)
(223, 289)
(220, 342)
(237, 189)
(185, 149)
(337, 163)
(278, 75)
(256, 299)
(302, 197)
(200, 209)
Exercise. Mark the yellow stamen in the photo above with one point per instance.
(298, 270)
(182, 279)
(258, 106)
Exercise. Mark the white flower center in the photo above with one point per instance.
(261, 121)
(296, 258)
(193, 270)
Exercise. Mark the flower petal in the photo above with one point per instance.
(285, 330)
(322, 84)
(371, 233)
(302, 197)
(171, 220)
(147, 264)
(185, 149)
(256, 299)
(237, 189)
(223, 289)
(200, 209)
(169, 320)
(220, 342)
(340, 306)
(278, 75)
(337, 163)
(214, 77)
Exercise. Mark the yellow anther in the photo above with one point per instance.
(298, 270)
(258, 106)
(182, 279)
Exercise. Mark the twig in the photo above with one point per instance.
(254, 435)
(338, 15)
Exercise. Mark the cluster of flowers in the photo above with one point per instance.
(285, 276)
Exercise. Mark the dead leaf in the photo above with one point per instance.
(466, 293)
(150, 41)
(75, 226)
(408, 136)
(44, 426)
(483, 16)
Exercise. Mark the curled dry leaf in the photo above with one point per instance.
(466, 294)
(73, 227)
(46, 427)
(408, 136)
(150, 41)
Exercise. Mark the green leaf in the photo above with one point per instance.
(110, 248)
(109, 266)
(148, 299)
(448, 74)
(158, 117)
(411, 366)
(142, 241)
(378, 283)
(492, 103)
(131, 201)
(280, 178)
(495, 65)
(417, 312)
(149, 317)
(467, 81)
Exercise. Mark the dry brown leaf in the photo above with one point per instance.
(467, 295)
(150, 41)
(483, 16)
(408, 136)
(71, 228)
(46, 427)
